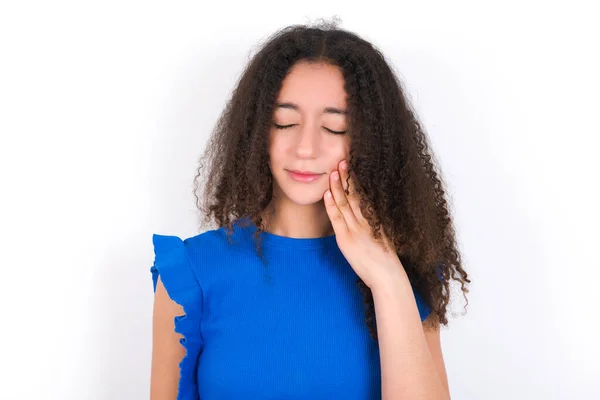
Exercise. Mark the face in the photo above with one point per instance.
(308, 132)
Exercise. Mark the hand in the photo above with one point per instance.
(374, 261)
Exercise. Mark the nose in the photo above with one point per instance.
(308, 142)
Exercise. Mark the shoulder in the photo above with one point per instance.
(167, 246)
(168, 241)
(174, 259)
(185, 261)
(213, 237)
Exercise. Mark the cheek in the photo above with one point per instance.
(274, 150)
(341, 146)
(275, 155)
(346, 146)
(343, 151)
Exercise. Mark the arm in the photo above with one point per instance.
(167, 352)
(412, 366)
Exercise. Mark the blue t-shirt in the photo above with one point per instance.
(294, 329)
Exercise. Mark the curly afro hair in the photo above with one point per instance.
(389, 155)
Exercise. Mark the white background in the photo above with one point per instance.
(105, 108)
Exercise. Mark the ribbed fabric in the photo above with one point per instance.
(294, 329)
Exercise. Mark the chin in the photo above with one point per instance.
(305, 197)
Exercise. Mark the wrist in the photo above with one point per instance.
(394, 278)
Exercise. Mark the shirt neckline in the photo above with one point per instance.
(271, 239)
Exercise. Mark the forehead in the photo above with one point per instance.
(314, 85)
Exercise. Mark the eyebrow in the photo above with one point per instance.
(328, 110)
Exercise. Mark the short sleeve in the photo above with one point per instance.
(424, 308)
(171, 263)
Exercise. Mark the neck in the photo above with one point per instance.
(298, 221)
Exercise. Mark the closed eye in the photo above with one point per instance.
(327, 129)
(284, 126)
(335, 132)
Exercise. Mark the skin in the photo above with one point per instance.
(301, 210)
(412, 366)
(306, 146)
(167, 352)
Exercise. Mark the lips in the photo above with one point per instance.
(304, 176)
(306, 173)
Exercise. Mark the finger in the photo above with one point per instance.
(349, 186)
(341, 200)
(334, 214)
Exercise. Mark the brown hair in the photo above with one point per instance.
(389, 154)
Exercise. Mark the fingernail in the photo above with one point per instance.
(336, 175)
(344, 164)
